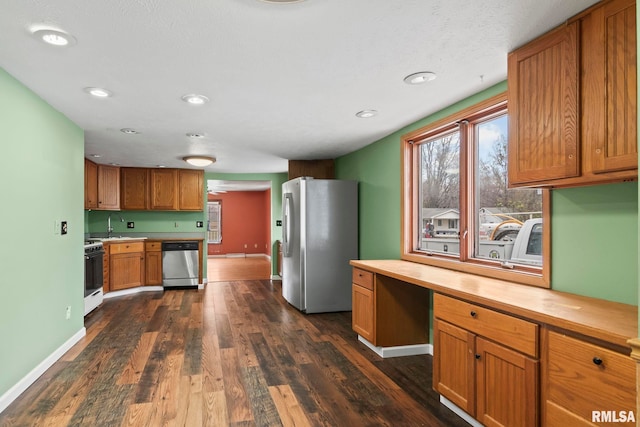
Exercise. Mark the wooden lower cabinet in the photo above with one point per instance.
(585, 383)
(490, 381)
(388, 312)
(126, 265)
(363, 312)
(153, 263)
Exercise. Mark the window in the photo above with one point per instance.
(458, 210)
(214, 215)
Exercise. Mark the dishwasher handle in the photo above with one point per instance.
(179, 246)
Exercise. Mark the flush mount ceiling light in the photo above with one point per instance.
(419, 78)
(54, 37)
(195, 99)
(98, 92)
(129, 131)
(199, 161)
(365, 114)
(195, 135)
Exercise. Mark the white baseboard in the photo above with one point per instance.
(459, 412)
(400, 350)
(275, 277)
(19, 388)
(131, 291)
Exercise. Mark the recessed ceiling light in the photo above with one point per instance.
(419, 78)
(98, 92)
(161, 166)
(54, 37)
(129, 131)
(195, 135)
(114, 164)
(200, 161)
(95, 155)
(195, 99)
(365, 114)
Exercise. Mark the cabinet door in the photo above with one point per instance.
(127, 270)
(543, 108)
(609, 107)
(363, 313)
(108, 187)
(90, 185)
(506, 386)
(191, 189)
(134, 188)
(453, 364)
(164, 188)
(153, 268)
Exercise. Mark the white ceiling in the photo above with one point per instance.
(284, 80)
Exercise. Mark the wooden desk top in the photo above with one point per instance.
(605, 320)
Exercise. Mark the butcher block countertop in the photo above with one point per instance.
(608, 321)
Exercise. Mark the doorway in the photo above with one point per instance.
(239, 225)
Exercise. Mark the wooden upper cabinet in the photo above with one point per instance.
(191, 190)
(164, 189)
(543, 108)
(609, 87)
(90, 184)
(108, 187)
(134, 188)
(573, 101)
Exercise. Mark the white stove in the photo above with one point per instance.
(93, 275)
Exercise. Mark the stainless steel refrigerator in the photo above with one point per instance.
(320, 237)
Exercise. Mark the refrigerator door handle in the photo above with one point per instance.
(286, 222)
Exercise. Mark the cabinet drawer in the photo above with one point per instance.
(363, 278)
(152, 246)
(507, 330)
(583, 377)
(123, 248)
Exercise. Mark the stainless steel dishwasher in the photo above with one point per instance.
(180, 264)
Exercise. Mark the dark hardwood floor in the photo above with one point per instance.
(233, 354)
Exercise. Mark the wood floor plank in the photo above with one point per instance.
(238, 406)
(138, 414)
(133, 370)
(289, 409)
(215, 409)
(190, 401)
(264, 410)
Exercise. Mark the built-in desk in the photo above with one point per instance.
(552, 357)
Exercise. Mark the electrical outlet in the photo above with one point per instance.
(176, 224)
(278, 223)
(245, 246)
(130, 224)
(199, 224)
(68, 314)
(63, 227)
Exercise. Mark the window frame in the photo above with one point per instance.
(219, 222)
(410, 168)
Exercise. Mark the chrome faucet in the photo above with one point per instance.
(109, 227)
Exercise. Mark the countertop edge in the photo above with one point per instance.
(574, 313)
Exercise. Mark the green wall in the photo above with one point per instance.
(42, 271)
(586, 259)
(144, 222)
(594, 241)
(277, 179)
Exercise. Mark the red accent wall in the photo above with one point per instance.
(245, 221)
